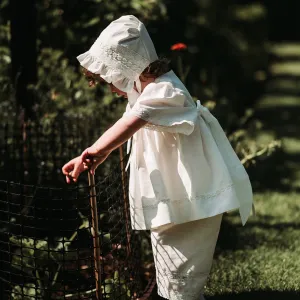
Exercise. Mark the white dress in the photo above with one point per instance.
(182, 166)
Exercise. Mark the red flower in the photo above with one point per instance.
(178, 47)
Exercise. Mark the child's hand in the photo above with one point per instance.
(91, 158)
(73, 169)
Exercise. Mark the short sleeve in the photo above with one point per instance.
(163, 107)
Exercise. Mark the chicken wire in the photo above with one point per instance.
(59, 241)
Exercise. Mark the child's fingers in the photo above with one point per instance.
(78, 168)
(68, 179)
(66, 169)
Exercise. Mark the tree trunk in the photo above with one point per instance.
(23, 53)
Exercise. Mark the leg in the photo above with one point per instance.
(183, 255)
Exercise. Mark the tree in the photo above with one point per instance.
(23, 52)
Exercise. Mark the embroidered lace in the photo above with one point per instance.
(197, 198)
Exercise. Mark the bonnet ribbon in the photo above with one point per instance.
(205, 113)
(233, 163)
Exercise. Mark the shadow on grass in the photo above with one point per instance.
(259, 295)
(254, 234)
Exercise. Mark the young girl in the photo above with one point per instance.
(183, 172)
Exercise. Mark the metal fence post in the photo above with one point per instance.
(95, 234)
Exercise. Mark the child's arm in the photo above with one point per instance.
(114, 137)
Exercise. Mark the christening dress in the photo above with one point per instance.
(182, 166)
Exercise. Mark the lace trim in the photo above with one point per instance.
(171, 127)
(181, 201)
(167, 128)
(181, 290)
(118, 58)
(141, 113)
(181, 278)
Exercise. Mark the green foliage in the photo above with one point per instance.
(27, 292)
(75, 24)
(216, 46)
(226, 54)
(42, 261)
(61, 86)
(66, 29)
(5, 63)
(115, 288)
(246, 145)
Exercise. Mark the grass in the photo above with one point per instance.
(263, 256)
(262, 259)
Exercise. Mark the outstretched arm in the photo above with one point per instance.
(114, 137)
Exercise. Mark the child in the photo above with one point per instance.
(183, 172)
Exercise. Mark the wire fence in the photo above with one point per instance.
(59, 242)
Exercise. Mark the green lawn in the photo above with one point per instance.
(262, 258)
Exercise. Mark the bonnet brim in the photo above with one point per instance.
(110, 75)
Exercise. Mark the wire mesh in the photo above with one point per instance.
(51, 246)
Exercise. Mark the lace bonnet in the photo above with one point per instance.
(121, 53)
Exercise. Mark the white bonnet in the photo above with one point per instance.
(121, 53)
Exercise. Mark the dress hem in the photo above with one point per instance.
(178, 212)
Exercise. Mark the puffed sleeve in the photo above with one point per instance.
(165, 108)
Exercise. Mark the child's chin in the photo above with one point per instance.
(121, 96)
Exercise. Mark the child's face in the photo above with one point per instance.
(116, 90)
(93, 79)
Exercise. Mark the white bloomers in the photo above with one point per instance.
(183, 256)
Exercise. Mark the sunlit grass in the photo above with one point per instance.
(263, 255)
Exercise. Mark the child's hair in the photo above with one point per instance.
(157, 68)
(154, 70)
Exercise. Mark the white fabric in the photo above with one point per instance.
(183, 256)
(182, 167)
(121, 53)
